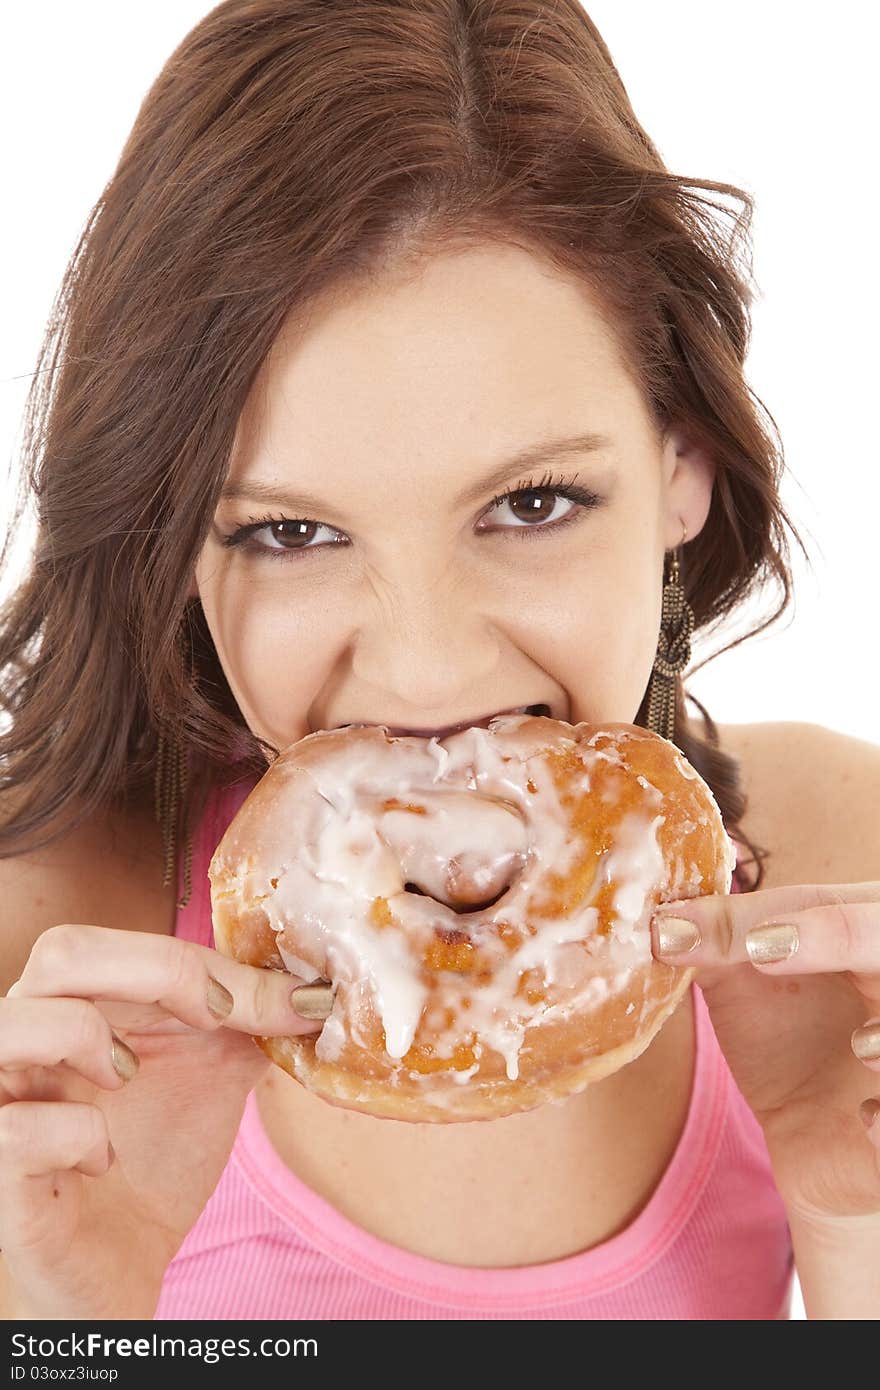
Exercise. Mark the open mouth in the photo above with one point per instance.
(471, 724)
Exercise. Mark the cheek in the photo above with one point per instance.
(604, 659)
(276, 654)
(594, 628)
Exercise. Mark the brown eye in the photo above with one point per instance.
(291, 532)
(535, 505)
(525, 511)
(533, 510)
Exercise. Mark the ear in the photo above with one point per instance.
(688, 479)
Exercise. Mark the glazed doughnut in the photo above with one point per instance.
(481, 904)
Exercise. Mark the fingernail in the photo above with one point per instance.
(220, 1001)
(312, 1001)
(771, 944)
(866, 1041)
(675, 935)
(125, 1062)
(868, 1111)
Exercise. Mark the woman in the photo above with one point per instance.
(358, 266)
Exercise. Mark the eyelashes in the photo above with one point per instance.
(244, 536)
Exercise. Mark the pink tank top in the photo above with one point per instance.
(711, 1243)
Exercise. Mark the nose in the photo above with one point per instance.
(430, 653)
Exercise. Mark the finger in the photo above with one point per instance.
(39, 1138)
(47, 1033)
(43, 1148)
(796, 931)
(192, 983)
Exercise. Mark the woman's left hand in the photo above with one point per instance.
(791, 977)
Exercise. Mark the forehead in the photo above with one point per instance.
(452, 364)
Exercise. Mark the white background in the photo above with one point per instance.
(774, 102)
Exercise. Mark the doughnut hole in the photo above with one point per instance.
(474, 902)
(461, 850)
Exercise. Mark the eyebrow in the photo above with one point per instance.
(544, 451)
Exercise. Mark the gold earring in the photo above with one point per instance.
(673, 649)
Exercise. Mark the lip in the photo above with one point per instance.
(482, 723)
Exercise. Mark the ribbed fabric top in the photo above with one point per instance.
(711, 1243)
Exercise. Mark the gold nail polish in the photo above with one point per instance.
(868, 1112)
(866, 1041)
(125, 1062)
(676, 935)
(220, 1001)
(771, 944)
(312, 1001)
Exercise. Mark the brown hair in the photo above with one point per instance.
(287, 147)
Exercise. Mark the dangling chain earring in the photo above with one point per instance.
(673, 649)
(170, 792)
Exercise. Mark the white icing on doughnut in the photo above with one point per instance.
(345, 823)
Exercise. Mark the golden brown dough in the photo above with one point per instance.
(481, 905)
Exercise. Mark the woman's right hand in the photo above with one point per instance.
(83, 1234)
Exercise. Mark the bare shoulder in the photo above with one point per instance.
(813, 794)
(107, 872)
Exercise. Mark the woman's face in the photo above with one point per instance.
(396, 591)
